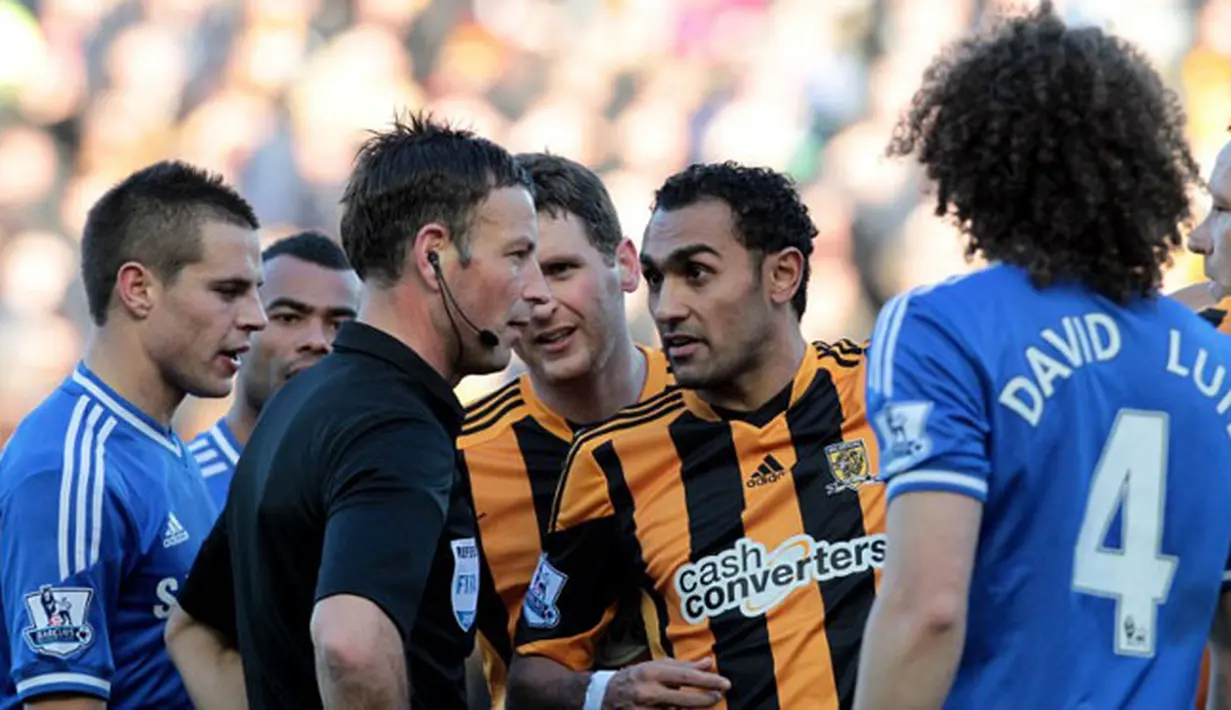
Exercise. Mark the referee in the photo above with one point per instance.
(343, 571)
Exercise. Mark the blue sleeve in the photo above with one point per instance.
(926, 402)
(62, 542)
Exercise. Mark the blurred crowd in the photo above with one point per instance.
(276, 94)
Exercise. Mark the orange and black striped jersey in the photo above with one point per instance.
(754, 539)
(513, 449)
(1217, 314)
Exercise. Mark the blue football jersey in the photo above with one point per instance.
(216, 452)
(1097, 437)
(102, 512)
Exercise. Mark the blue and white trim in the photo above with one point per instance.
(884, 342)
(83, 476)
(63, 682)
(215, 451)
(933, 480)
(132, 416)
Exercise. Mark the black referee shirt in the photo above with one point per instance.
(364, 442)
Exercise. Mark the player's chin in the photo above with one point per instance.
(571, 367)
(210, 386)
(694, 374)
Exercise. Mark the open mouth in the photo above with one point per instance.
(679, 344)
(555, 341)
(233, 355)
(554, 336)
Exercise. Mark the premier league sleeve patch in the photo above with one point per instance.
(58, 620)
(903, 427)
(539, 610)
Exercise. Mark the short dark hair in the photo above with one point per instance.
(154, 217)
(565, 186)
(1057, 150)
(769, 214)
(310, 246)
(418, 172)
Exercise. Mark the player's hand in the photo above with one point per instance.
(667, 683)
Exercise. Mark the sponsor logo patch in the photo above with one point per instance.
(750, 578)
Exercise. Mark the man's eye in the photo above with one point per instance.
(696, 271)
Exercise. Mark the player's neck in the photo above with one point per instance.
(601, 393)
(780, 360)
(241, 418)
(408, 318)
(117, 359)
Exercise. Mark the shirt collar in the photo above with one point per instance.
(362, 338)
(126, 411)
(225, 440)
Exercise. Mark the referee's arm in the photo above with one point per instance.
(386, 496)
(200, 634)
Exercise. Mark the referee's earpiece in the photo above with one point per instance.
(486, 337)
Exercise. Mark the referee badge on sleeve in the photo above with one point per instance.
(465, 589)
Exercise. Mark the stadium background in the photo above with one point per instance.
(275, 95)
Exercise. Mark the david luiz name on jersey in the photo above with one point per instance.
(750, 578)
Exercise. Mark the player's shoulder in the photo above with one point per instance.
(966, 292)
(489, 415)
(960, 312)
(47, 435)
(647, 417)
(844, 361)
(65, 440)
(844, 353)
(1166, 311)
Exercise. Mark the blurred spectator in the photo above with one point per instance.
(275, 94)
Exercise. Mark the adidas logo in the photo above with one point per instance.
(768, 472)
(175, 533)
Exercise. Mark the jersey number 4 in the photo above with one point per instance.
(1131, 478)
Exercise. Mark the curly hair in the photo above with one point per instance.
(1058, 150)
(769, 215)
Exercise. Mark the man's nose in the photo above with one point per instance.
(535, 290)
(1199, 240)
(316, 339)
(667, 306)
(252, 314)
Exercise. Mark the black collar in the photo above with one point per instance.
(362, 338)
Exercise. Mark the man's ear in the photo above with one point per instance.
(430, 244)
(782, 273)
(137, 289)
(629, 265)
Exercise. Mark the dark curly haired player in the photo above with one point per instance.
(1051, 428)
(742, 509)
